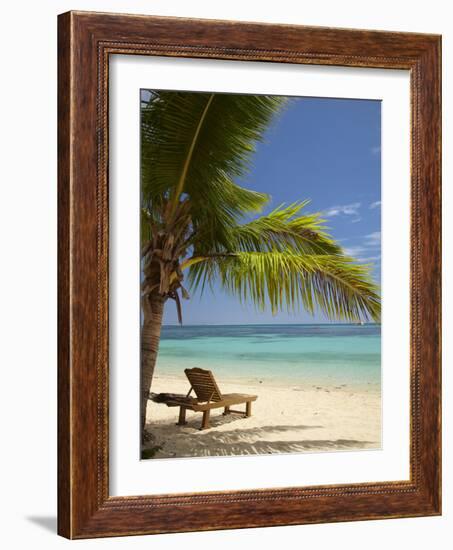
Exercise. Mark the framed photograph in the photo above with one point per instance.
(249, 275)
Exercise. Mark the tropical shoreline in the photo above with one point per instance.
(286, 418)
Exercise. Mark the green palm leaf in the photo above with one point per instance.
(337, 285)
(282, 229)
(196, 144)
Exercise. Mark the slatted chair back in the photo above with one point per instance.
(203, 384)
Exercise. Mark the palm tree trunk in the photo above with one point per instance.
(153, 309)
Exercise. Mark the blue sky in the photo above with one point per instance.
(325, 150)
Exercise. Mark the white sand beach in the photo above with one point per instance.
(286, 418)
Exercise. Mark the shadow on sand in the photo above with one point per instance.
(244, 441)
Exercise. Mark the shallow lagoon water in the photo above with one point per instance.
(317, 353)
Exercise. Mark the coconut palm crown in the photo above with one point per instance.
(198, 225)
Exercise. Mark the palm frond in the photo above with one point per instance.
(282, 229)
(339, 287)
(197, 144)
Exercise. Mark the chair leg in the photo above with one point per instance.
(205, 421)
(226, 411)
(182, 416)
(248, 409)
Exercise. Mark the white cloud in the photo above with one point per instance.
(345, 210)
(370, 259)
(373, 239)
(375, 204)
(354, 250)
(368, 248)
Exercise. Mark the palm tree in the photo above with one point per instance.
(198, 224)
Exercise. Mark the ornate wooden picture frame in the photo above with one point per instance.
(85, 507)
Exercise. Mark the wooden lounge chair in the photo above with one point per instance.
(208, 396)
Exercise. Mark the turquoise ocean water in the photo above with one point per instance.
(318, 353)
